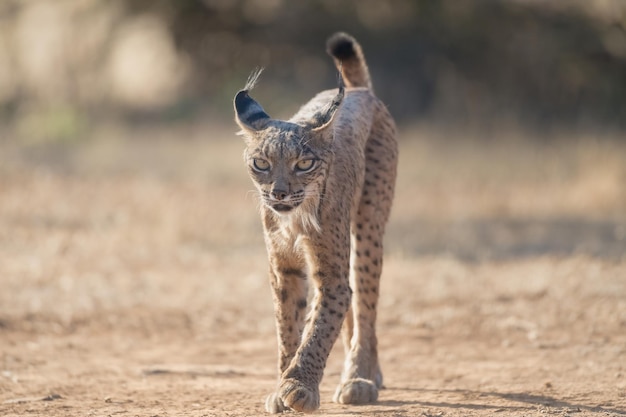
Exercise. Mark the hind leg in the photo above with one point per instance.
(362, 377)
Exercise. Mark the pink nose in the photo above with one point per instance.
(279, 194)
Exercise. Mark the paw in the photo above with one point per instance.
(356, 391)
(297, 396)
(273, 404)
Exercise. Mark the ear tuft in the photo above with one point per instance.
(249, 114)
(322, 118)
(253, 78)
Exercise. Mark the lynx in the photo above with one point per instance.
(326, 181)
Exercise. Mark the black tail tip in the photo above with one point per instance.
(341, 46)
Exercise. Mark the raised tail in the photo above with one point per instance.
(349, 59)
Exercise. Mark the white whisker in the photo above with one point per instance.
(256, 193)
(259, 200)
(314, 194)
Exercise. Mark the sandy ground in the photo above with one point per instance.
(132, 280)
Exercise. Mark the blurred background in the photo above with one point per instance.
(67, 65)
(121, 176)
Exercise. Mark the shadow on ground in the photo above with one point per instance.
(515, 402)
(504, 239)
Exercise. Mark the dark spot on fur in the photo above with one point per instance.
(293, 271)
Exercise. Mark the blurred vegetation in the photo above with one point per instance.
(479, 64)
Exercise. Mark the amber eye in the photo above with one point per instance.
(260, 165)
(305, 165)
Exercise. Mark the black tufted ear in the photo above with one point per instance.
(322, 118)
(249, 114)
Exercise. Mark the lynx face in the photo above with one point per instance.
(288, 162)
(286, 166)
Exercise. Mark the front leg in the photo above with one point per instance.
(299, 386)
(289, 288)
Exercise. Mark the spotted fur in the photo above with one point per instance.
(326, 180)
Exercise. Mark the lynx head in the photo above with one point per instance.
(288, 162)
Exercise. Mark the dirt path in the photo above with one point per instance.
(489, 342)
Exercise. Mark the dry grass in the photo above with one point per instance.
(102, 224)
(510, 197)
